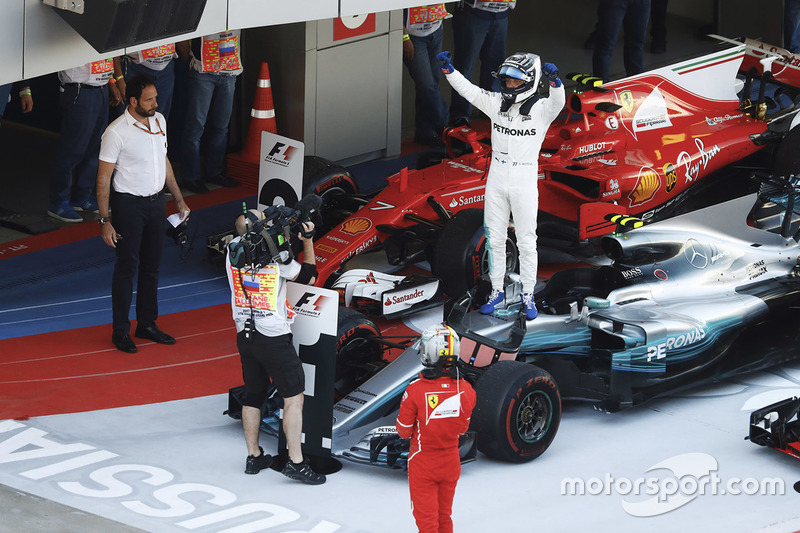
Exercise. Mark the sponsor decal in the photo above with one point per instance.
(336, 239)
(692, 163)
(514, 132)
(756, 269)
(335, 180)
(280, 154)
(326, 249)
(659, 351)
(400, 300)
(660, 274)
(632, 273)
(646, 187)
(613, 188)
(626, 99)
(612, 123)
(607, 162)
(466, 200)
(717, 257)
(462, 166)
(713, 121)
(354, 226)
(670, 176)
(652, 113)
(696, 254)
(363, 246)
(592, 148)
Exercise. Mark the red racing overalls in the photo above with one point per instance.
(434, 412)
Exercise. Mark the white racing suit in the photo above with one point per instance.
(511, 186)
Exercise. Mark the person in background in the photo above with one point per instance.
(25, 96)
(158, 63)
(520, 117)
(434, 412)
(612, 16)
(134, 152)
(214, 63)
(791, 25)
(479, 31)
(422, 42)
(85, 95)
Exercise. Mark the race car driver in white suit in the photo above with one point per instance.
(520, 118)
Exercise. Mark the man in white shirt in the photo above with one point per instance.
(134, 152)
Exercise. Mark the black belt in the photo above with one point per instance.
(82, 86)
(151, 197)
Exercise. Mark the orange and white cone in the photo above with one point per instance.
(262, 116)
(243, 166)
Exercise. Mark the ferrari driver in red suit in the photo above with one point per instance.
(435, 410)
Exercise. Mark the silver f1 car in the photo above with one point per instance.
(690, 299)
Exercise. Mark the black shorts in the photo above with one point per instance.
(269, 357)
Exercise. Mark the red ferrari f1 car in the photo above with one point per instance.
(636, 146)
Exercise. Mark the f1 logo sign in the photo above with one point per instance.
(353, 26)
(282, 151)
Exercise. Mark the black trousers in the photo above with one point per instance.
(140, 222)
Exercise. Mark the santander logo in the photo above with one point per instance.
(404, 298)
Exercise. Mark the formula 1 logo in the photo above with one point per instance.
(281, 154)
(307, 307)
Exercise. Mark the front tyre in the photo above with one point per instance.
(517, 413)
(358, 353)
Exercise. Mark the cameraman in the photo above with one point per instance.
(262, 316)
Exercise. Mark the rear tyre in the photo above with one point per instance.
(460, 256)
(517, 413)
(358, 353)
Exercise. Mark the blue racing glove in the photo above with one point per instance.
(551, 72)
(444, 59)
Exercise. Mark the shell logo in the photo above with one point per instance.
(647, 186)
(354, 226)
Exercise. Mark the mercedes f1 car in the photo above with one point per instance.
(698, 297)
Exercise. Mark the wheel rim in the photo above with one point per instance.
(511, 257)
(534, 416)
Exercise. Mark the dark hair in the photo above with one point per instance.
(136, 85)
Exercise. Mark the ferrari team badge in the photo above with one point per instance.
(626, 99)
(433, 400)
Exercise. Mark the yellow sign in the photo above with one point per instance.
(433, 400)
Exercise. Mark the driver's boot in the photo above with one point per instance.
(496, 298)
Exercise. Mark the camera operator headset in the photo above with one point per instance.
(258, 264)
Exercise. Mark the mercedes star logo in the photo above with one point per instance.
(695, 254)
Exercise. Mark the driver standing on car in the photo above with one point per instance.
(435, 410)
(520, 117)
(262, 316)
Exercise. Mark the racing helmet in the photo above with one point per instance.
(438, 349)
(522, 66)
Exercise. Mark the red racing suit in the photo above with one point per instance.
(434, 412)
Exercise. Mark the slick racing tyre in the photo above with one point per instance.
(460, 256)
(358, 353)
(517, 413)
(335, 185)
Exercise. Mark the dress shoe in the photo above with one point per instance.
(196, 186)
(224, 180)
(154, 334)
(124, 343)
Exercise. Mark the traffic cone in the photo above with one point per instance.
(244, 165)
